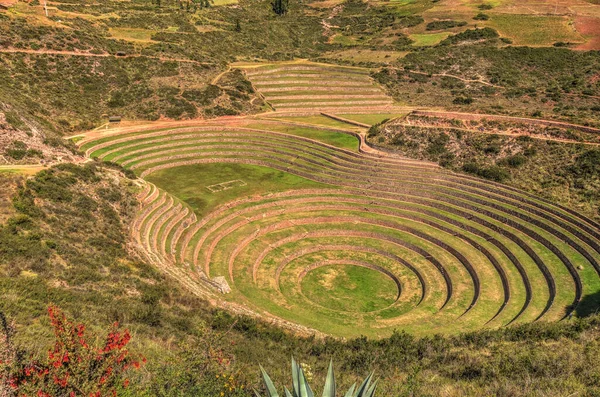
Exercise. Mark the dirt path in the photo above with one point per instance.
(480, 81)
(218, 77)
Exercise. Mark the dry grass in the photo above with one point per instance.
(535, 30)
(358, 55)
(132, 34)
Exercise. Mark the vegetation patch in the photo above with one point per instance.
(444, 24)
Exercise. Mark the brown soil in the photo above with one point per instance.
(34, 139)
(589, 27)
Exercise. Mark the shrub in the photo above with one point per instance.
(15, 153)
(481, 17)
(492, 149)
(75, 366)
(402, 41)
(442, 25)
(471, 168)
(437, 144)
(408, 21)
(587, 165)
(472, 35)
(537, 113)
(462, 100)
(515, 161)
(280, 7)
(447, 159)
(494, 173)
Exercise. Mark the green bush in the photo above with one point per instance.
(437, 144)
(515, 161)
(472, 35)
(587, 165)
(461, 100)
(494, 173)
(443, 25)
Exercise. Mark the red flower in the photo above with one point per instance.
(71, 357)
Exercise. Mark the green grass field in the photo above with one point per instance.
(428, 39)
(372, 119)
(337, 139)
(349, 288)
(190, 183)
(321, 120)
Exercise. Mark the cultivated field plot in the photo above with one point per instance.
(347, 241)
(306, 86)
(525, 22)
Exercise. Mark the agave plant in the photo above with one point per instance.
(301, 388)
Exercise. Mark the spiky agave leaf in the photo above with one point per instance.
(329, 389)
(350, 392)
(295, 378)
(364, 387)
(271, 390)
(287, 392)
(371, 391)
(305, 390)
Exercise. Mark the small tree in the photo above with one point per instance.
(74, 367)
(280, 7)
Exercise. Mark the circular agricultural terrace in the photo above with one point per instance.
(377, 243)
(299, 224)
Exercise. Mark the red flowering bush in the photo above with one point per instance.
(74, 366)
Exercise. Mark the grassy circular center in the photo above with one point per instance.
(349, 288)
